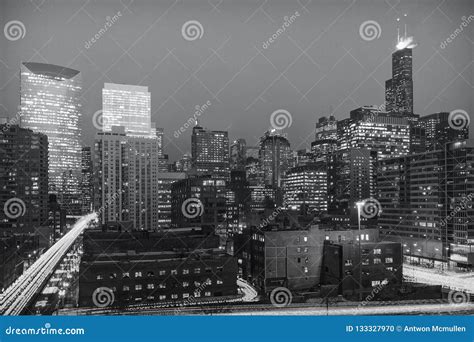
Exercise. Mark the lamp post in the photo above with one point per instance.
(359, 205)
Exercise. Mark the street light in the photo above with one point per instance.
(359, 205)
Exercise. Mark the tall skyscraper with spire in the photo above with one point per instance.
(50, 105)
(399, 89)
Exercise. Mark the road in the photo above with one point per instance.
(17, 297)
(456, 281)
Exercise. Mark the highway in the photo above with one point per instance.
(455, 281)
(18, 296)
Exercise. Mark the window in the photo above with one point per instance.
(150, 274)
(197, 270)
(305, 250)
(207, 293)
(365, 262)
(306, 270)
(219, 282)
(305, 239)
(377, 261)
(113, 275)
(208, 269)
(162, 272)
(162, 286)
(298, 250)
(126, 275)
(150, 286)
(138, 287)
(197, 294)
(377, 251)
(174, 296)
(185, 295)
(125, 288)
(197, 283)
(208, 281)
(219, 268)
(162, 297)
(185, 284)
(138, 274)
(99, 277)
(388, 260)
(348, 262)
(390, 269)
(174, 272)
(376, 282)
(185, 271)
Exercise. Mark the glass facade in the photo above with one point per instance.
(50, 105)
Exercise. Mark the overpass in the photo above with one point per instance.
(19, 295)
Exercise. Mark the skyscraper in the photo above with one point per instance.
(399, 89)
(210, 152)
(23, 179)
(86, 180)
(237, 154)
(128, 106)
(439, 132)
(50, 105)
(275, 157)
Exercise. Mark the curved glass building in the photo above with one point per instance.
(50, 104)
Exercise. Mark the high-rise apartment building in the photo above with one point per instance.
(275, 157)
(399, 89)
(86, 183)
(23, 180)
(439, 132)
(210, 152)
(50, 104)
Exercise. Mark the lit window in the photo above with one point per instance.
(219, 282)
(126, 275)
(305, 239)
(150, 286)
(197, 283)
(377, 251)
(388, 260)
(377, 261)
(138, 274)
(174, 272)
(162, 286)
(162, 272)
(99, 277)
(365, 262)
(138, 287)
(197, 270)
(185, 271)
(306, 270)
(162, 297)
(197, 294)
(185, 284)
(126, 288)
(376, 282)
(185, 295)
(348, 262)
(207, 293)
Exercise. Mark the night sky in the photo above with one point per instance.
(318, 66)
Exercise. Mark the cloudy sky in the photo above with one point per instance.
(321, 64)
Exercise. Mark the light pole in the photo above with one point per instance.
(359, 205)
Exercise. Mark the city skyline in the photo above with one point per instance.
(346, 80)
